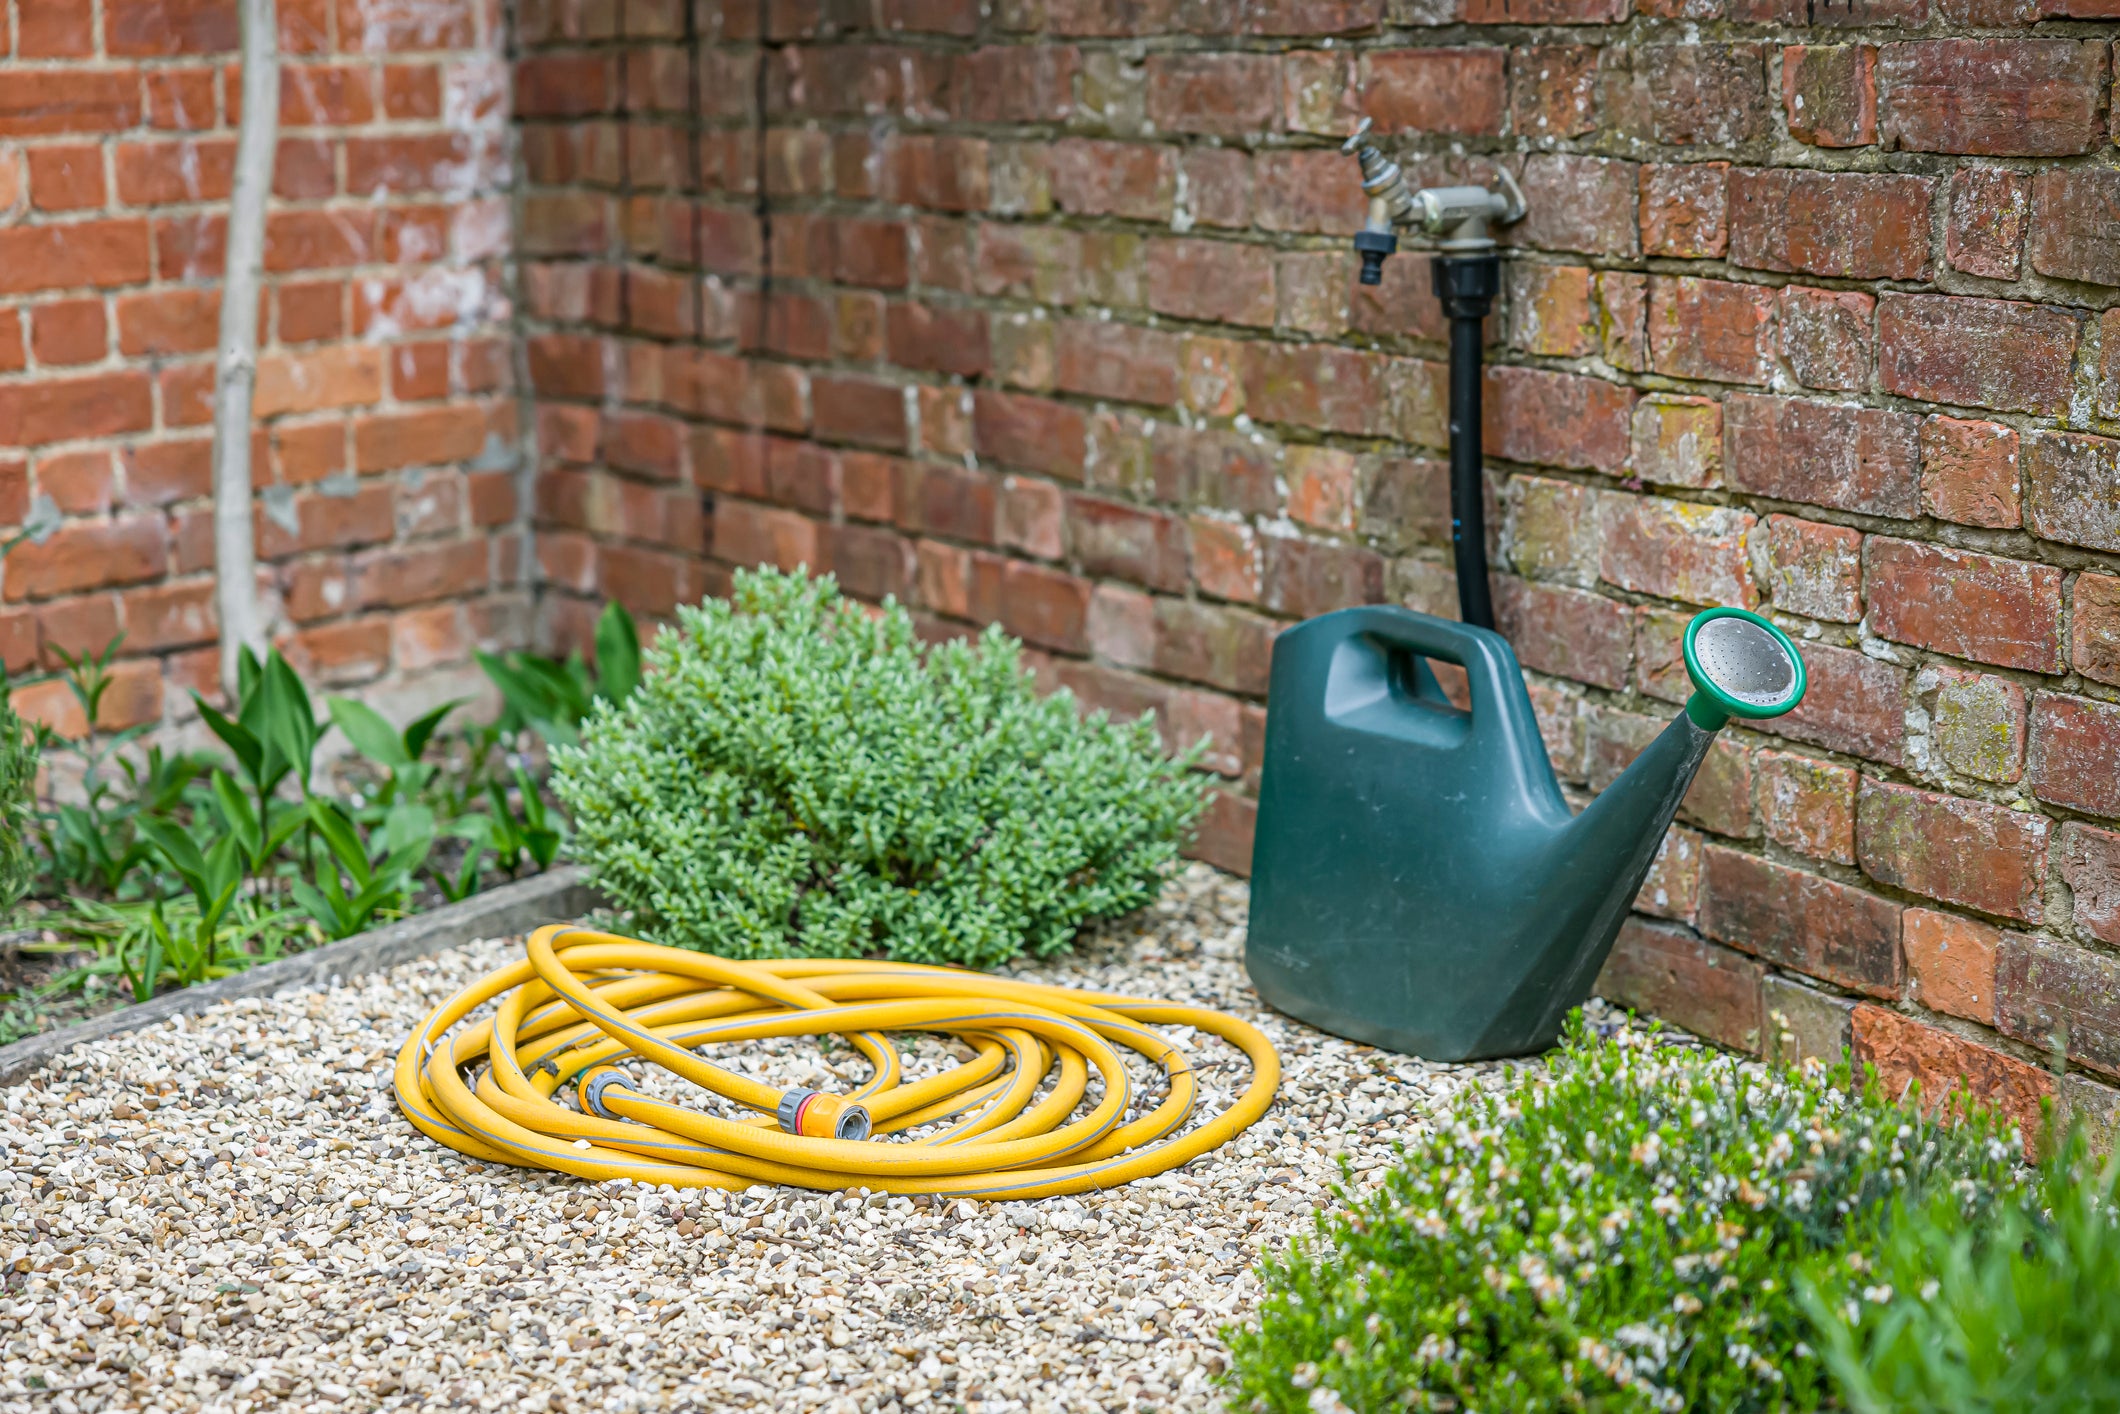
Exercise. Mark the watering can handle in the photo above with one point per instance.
(1490, 665)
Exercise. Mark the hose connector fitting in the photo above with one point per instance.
(815, 1115)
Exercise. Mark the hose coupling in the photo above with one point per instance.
(593, 1090)
(815, 1115)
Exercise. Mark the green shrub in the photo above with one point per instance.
(2015, 1310)
(1617, 1230)
(798, 775)
(18, 801)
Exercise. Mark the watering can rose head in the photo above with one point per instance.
(1741, 666)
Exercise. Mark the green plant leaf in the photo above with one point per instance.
(343, 839)
(249, 751)
(368, 730)
(617, 654)
(422, 730)
(237, 816)
(183, 856)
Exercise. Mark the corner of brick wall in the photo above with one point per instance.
(391, 519)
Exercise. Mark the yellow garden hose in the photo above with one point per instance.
(583, 1003)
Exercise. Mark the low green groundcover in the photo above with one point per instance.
(1619, 1230)
(800, 775)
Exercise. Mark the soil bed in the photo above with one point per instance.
(228, 1212)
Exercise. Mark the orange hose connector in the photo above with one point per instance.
(583, 1002)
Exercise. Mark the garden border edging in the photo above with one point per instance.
(556, 894)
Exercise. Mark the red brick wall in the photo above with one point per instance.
(1050, 320)
(389, 532)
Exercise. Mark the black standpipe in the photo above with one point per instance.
(1468, 274)
(1466, 286)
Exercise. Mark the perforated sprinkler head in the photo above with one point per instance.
(816, 1115)
(1741, 666)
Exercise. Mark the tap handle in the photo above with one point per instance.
(1359, 138)
(1513, 205)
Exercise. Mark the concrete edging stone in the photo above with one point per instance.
(556, 895)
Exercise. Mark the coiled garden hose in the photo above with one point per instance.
(584, 1003)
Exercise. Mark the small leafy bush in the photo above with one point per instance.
(798, 776)
(2016, 1310)
(18, 801)
(1619, 1230)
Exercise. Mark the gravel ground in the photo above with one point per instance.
(229, 1213)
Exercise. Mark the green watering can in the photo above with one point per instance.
(1417, 880)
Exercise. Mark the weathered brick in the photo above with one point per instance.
(1990, 207)
(1033, 433)
(1988, 609)
(2053, 994)
(1557, 419)
(867, 411)
(1711, 329)
(1551, 529)
(1140, 546)
(1566, 632)
(1543, 12)
(1216, 186)
(1701, 94)
(1993, 97)
(1807, 805)
(99, 253)
(1852, 459)
(1677, 550)
(40, 102)
(2094, 632)
(1553, 90)
(1853, 703)
(86, 405)
(1457, 90)
(1587, 204)
(1218, 281)
(2069, 480)
(1678, 441)
(2075, 227)
(1826, 337)
(1908, 1055)
(936, 338)
(1977, 722)
(1672, 973)
(1405, 502)
(2075, 753)
(1830, 93)
(1316, 385)
(1804, 1023)
(1207, 467)
(1225, 559)
(1108, 359)
(1814, 569)
(1943, 846)
(1111, 179)
(1951, 963)
(1801, 921)
(1672, 887)
(1969, 472)
(2089, 860)
(1224, 94)
(1304, 578)
(1306, 192)
(1207, 643)
(1685, 209)
(81, 556)
(1862, 225)
(1549, 309)
(2002, 354)
(1322, 488)
(1318, 91)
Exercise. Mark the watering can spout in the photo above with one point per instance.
(1418, 881)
